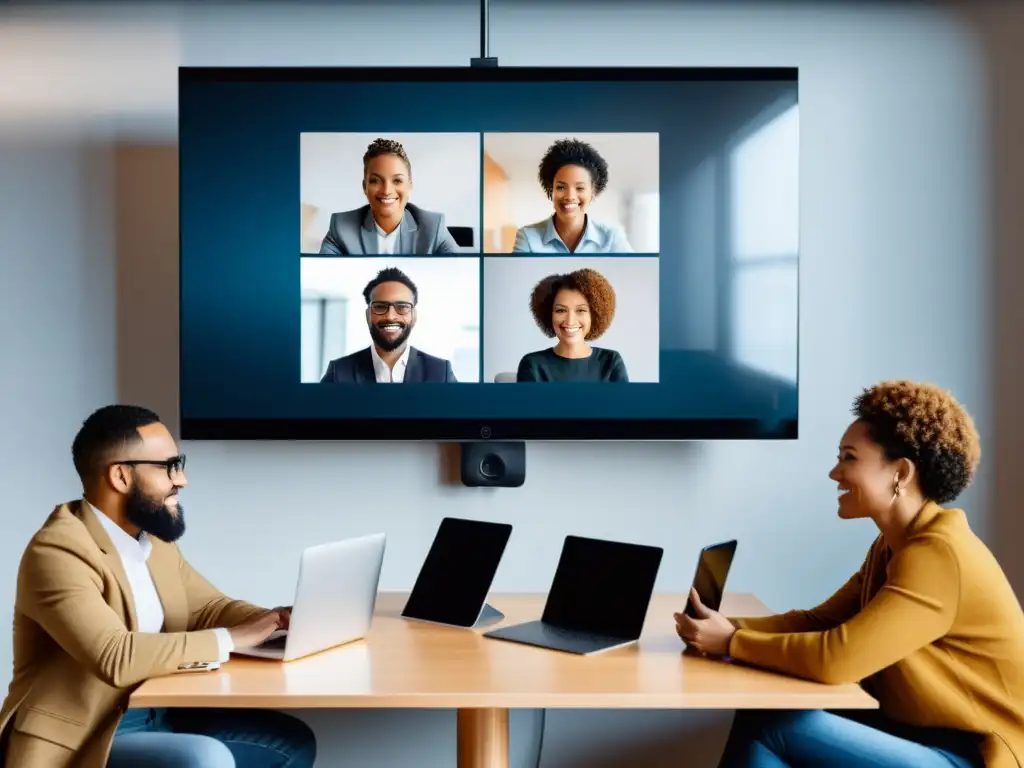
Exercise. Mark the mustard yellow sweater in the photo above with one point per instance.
(934, 633)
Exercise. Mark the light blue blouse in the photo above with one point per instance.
(597, 238)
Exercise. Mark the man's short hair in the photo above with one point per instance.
(390, 275)
(103, 436)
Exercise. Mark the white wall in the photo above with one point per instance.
(895, 244)
(510, 331)
(445, 177)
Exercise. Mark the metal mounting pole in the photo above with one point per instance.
(485, 60)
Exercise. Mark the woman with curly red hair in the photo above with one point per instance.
(929, 625)
(575, 308)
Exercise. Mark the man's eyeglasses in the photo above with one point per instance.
(173, 465)
(381, 307)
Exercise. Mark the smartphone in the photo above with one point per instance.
(712, 571)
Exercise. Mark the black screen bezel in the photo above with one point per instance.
(476, 429)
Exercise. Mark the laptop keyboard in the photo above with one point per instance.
(273, 643)
(558, 638)
(568, 635)
(583, 642)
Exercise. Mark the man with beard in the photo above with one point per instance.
(391, 299)
(105, 601)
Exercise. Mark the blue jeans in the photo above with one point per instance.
(211, 738)
(781, 738)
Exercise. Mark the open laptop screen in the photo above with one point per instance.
(603, 587)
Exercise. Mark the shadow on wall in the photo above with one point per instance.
(680, 738)
(999, 26)
(573, 737)
(146, 276)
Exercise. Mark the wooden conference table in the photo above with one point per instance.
(406, 664)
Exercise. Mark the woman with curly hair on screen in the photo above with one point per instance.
(572, 174)
(574, 308)
(929, 625)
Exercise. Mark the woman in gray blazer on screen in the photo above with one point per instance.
(572, 174)
(389, 223)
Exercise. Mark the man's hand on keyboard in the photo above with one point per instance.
(284, 612)
(254, 631)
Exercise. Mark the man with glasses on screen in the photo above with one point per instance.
(105, 601)
(391, 299)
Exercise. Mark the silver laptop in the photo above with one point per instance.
(334, 599)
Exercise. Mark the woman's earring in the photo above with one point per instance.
(896, 490)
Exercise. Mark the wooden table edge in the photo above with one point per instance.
(842, 698)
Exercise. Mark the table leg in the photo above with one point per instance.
(482, 738)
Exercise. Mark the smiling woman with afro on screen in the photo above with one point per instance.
(929, 625)
(574, 308)
(572, 174)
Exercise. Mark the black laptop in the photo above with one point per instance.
(456, 576)
(598, 599)
(712, 571)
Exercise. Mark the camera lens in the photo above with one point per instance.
(491, 466)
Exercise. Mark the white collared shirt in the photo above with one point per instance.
(149, 611)
(386, 243)
(385, 374)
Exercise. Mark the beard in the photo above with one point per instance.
(386, 343)
(153, 517)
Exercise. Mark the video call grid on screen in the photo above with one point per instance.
(688, 261)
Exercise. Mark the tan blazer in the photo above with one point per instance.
(934, 632)
(78, 653)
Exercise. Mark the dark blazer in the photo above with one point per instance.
(420, 232)
(357, 368)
